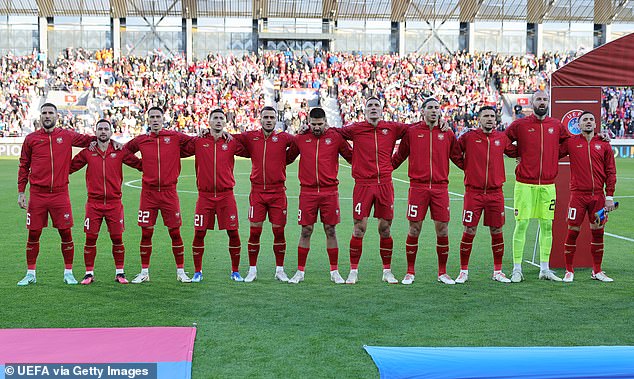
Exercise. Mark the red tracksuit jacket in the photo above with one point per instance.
(214, 162)
(104, 174)
(45, 159)
(319, 163)
(538, 148)
(372, 149)
(161, 157)
(481, 156)
(592, 164)
(429, 152)
(268, 158)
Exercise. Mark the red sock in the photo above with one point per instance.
(465, 250)
(177, 247)
(497, 245)
(234, 249)
(90, 251)
(254, 244)
(333, 258)
(68, 247)
(386, 246)
(411, 249)
(570, 247)
(118, 250)
(302, 254)
(356, 249)
(146, 246)
(33, 248)
(596, 249)
(198, 249)
(442, 250)
(279, 245)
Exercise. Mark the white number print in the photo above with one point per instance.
(251, 212)
(357, 208)
(412, 210)
(198, 220)
(28, 218)
(572, 213)
(467, 216)
(299, 215)
(87, 224)
(144, 217)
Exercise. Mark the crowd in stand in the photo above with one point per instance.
(122, 89)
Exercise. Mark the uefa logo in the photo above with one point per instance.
(571, 121)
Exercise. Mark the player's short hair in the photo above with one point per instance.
(585, 113)
(268, 108)
(102, 120)
(372, 98)
(217, 110)
(486, 108)
(317, 112)
(429, 100)
(156, 108)
(48, 105)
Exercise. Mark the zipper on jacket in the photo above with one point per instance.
(591, 170)
(50, 145)
(376, 154)
(317, 164)
(215, 148)
(541, 152)
(431, 153)
(264, 163)
(486, 170)
(158, 149)
(103, 173)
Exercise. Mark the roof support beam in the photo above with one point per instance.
(469, 9)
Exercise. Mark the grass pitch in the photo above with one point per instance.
(316, 328)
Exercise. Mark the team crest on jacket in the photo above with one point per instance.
(327, 141)
(385, 132)
(166, 139)
(441, 137)
(496, 142)
(597, 146)
(551, 130)
(224, 147)
(274, 138)
(113, 155)
(59, 140)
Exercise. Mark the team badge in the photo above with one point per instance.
(441, 137)
(385, 132)
(232, 217)
(66, 216)
(113, 155)
(571, 121)
(496, 142)
(337, 212)
(597, 146)
(328, 141)
(121, 221)
(284, 211)
(166, 139)
(224, 147)
(59, 140)
(274, 138)
(551, 130)
(178, 214)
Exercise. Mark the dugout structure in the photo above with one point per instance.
(577, 87)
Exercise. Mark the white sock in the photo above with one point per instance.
(145, 271)
(32, 272)
(495, 272)
(543, 266)
(68, 271)
(354, 270)
(279, 268)
(90, 273)
(300, 272)
(387, 270)
(118, 271)
(253, 268)
(464, 271)
(517, 267)
(180, 271)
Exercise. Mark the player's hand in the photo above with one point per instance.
(92, 146)
(22, 200)
(444, 126)
(203, 132)
(117, 145)
(227, 135)
(605, 137)
(303, 129)
(609, 205)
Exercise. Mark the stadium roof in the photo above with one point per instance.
(535, 11)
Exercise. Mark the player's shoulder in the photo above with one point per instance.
(551, 121)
